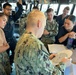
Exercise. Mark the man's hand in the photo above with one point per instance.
(65, 60)
(52, 56)
(20, 2)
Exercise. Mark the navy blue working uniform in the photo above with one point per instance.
(9, 30)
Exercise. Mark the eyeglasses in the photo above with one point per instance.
(8, 9)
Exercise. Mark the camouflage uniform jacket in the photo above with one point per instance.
(52, 28)
(32, 58)
(5, 68)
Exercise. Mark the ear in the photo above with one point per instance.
(39, 24)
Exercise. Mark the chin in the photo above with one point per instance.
(2, 27)
(8, 14)
(68, 29)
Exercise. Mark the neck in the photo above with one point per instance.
(64, 15)
(7, 15)
(50, 20)
(30, 29)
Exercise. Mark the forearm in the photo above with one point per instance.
(63, 38)
(53, 33)
(61, 66)
(4, 48)
(48, 68)
(18, 13)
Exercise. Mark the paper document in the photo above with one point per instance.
(55, 48)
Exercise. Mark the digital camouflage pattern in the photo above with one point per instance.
(22, 25)
(52, 28)
(32, 58)
(5, 68)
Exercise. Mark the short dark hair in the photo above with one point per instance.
(67, 8)
(72, 18)
(6, 4)
(49, 10)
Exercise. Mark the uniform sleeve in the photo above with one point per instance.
(52, 28)
(39, 59)
(18, 13)
(54, 31)
(35, 59)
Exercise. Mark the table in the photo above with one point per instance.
(71, 69)
(73, 56)
(55, 48)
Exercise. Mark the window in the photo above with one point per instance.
(54, 7)
(13, 6)
(28, 6)
(39, 6)
(74, 13)
(32, 6)
(24, 7)
(63, 6)
(44, 7)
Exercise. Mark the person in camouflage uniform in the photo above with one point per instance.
(51, 29)
(5, 67)
(22, 25)
(31, 56)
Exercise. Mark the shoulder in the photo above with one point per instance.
(29, 41)
(59, 16)
(1, 32)
(62, 28)
(35, 42)
(54, 21)
(74, 28)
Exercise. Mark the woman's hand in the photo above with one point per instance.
(72, 35)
